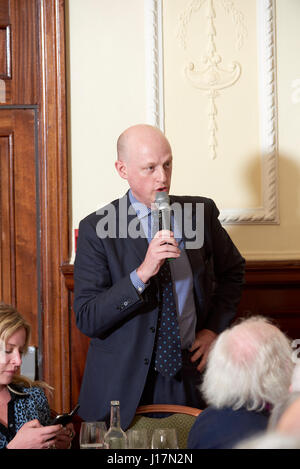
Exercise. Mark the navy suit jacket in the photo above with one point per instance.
(122, 323)
(225, 428)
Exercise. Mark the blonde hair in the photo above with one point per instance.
(10, 322)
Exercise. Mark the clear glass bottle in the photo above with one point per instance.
(115, 438)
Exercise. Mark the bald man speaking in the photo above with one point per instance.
(151, 299)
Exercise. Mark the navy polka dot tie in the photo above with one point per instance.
(168, 347)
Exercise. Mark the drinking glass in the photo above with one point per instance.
(164, 438)
(92, 435)
(137, 438)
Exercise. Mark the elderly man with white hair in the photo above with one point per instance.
(249, 371)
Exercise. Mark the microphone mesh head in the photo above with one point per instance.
(162, 200)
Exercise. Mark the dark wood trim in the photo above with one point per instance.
(53, 183)
(168, 409)
(257, 273)
(68, 272)
(272, 272)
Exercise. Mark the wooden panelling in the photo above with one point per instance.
(7, 218)
(18, 214)
(4, 12)
(19, 51)
(5, 52)
(78, 341)
(271, 289)
(36, 88)
(54, 211)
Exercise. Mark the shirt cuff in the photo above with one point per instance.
(137, 282)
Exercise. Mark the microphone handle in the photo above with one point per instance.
(164, 219)
(164, 223)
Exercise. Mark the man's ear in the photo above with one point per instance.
(121, 168)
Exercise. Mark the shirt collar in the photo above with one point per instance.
(141, 209)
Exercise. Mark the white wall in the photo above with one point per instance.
(108, 92)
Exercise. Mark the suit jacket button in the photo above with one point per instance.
(146, 361)
(152, 329)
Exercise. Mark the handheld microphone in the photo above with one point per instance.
(164, 210)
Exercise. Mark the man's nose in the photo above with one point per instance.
(162, 175)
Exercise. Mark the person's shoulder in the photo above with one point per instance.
(229, 415)
(208, 412)
(36, 392)
(192, 199)
(212, 412)
(93, 218)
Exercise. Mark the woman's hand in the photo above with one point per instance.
(33, 435)
(63, 439)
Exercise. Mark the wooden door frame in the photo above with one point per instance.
(53, 199)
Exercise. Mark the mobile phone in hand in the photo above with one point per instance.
(64, 419)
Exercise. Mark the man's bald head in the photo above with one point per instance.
(138, 135)
(145, 161)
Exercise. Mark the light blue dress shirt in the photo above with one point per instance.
(181, 275)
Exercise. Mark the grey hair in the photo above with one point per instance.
(250, 365)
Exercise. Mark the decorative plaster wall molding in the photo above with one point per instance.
(211, 77)
(154, 63)
(268, 212)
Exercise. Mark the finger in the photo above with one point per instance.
(51, 430)
(48, 444)
(197, 344)
(168, 243)
(198, 354)
(168, 248)
(54, 428)
(202, 363)
(61, 438)
(33, 424)
(164, 234)
(65, 431)
(193, 347)
(164, 243)
(71, 431)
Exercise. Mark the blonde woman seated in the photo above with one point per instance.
(24, 409)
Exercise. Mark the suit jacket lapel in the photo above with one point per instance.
(195, 256)
(138, 245)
